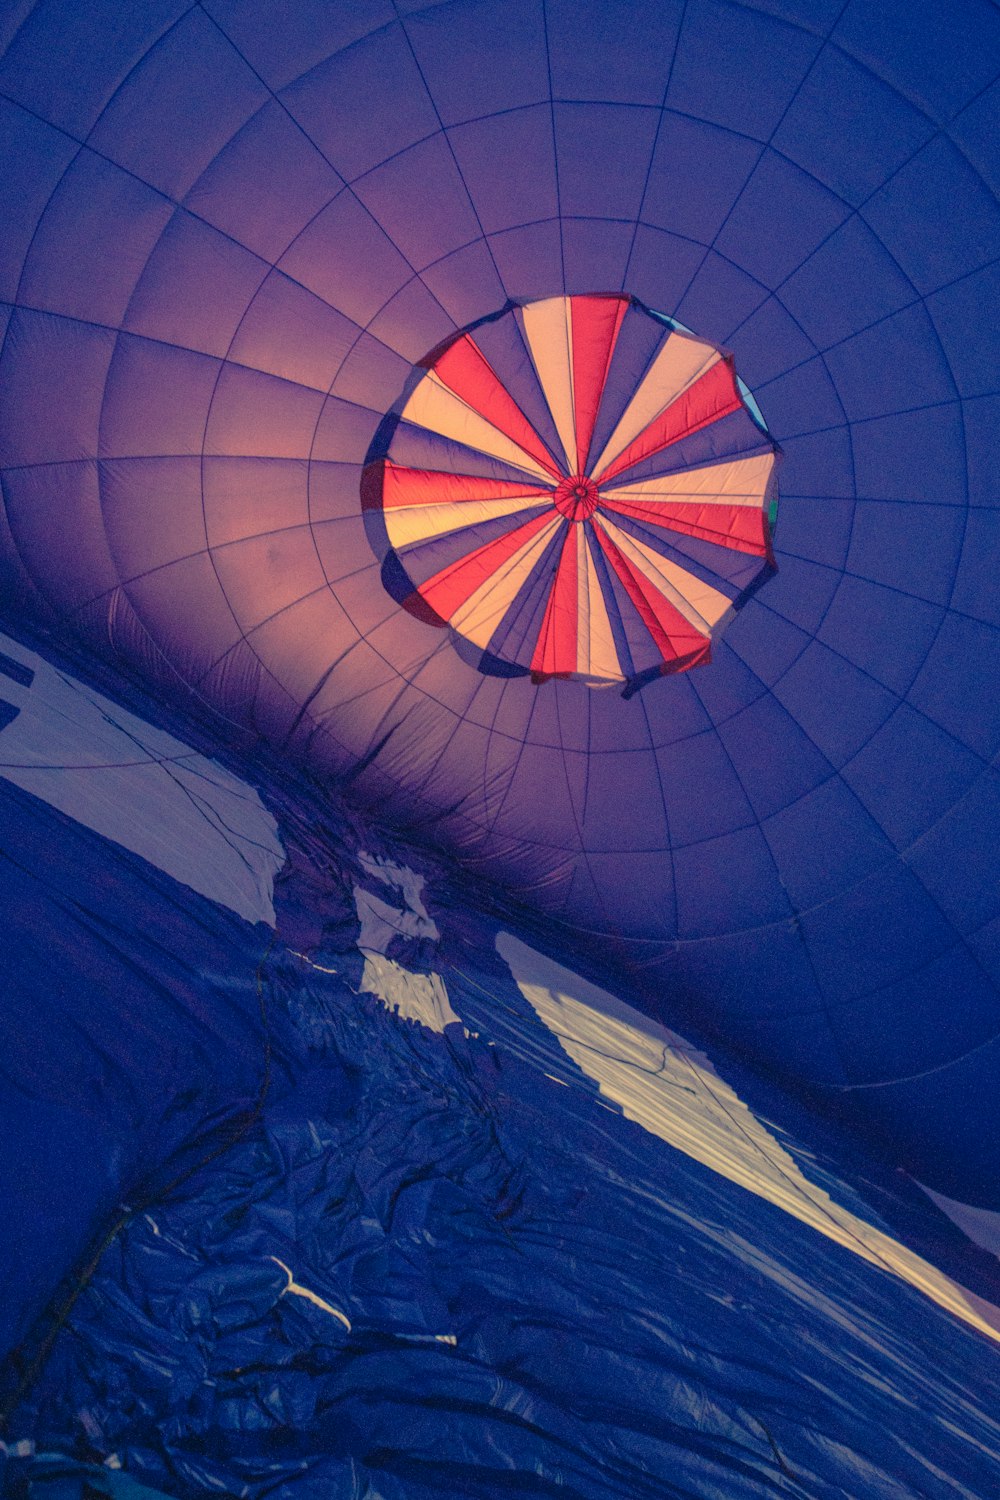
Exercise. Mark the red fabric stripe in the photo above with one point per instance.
(448, 590)
(402, 486)
(555, 651)
(743, 528)
(596, 321)
(712, 396)
(465, 370)
(674, 636)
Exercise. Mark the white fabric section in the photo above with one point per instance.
(582, 604)
(410, 886)
(434, 406)
(296, 1289)
(700, 604)
(980, 1225)
(418, 523)
(677, 365)
(739, 481)
(479, 616)
(548, 327)
(381, 922)
(673, 1091)
(602, 655)
(415, 997)
(139, 787)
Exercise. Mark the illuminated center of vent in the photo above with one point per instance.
(577, 487)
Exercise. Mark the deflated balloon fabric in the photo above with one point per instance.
(235, 231)
(454, 1255)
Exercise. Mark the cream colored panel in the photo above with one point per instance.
(700, 604)
(480, 615)
(437, 408)
(677, 366)
(672, 1090)
(548, 327)
(597, 651)
(418, 523)
(739, 481)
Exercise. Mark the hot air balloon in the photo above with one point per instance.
(542, 451)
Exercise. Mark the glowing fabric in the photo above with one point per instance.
(572, 558)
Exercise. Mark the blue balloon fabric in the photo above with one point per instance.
(443, 1249)
(260, 1233)
(230, 236)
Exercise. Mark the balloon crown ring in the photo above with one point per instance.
(576, 498)
(549, 414)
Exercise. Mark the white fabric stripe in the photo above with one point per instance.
(700, 604)
(738, 481)
(434, 406)
(582, 603)
(602, 661)
(418, 523)
(548, 328)
(479, 616)
(677, 366)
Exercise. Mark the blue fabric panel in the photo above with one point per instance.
(52, 51)
(524, 135)
(928, 457)
(815, 528)
(804, 400)
(941, 67)
(971, 130)
(293, 181)
(739, 885)
(694, 818)
(877, 129)
(909, 370)
(184, 99)
(825, 841)
(773, 755)
(899, 1111)
(975, 583)
(69, 249)
(925, 1036)
(114, 971)
(420, 199)
(517, 72)
(885, 632)
(596, 253)
(37, 157)
(958, 308)
(910, 547)
(365, 104)
(586, 55)
(966, 235)
(968, 893)
(802, 213)
(738, 69)
(765, 641)
(956, 684)
(822, 714)
(846, 284)
(621, 139)
(982, 442)
(901, 930)
(938, 772)
(347, 258)
(698, 170)
(309, 33)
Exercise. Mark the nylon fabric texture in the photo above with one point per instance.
(227, 244)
